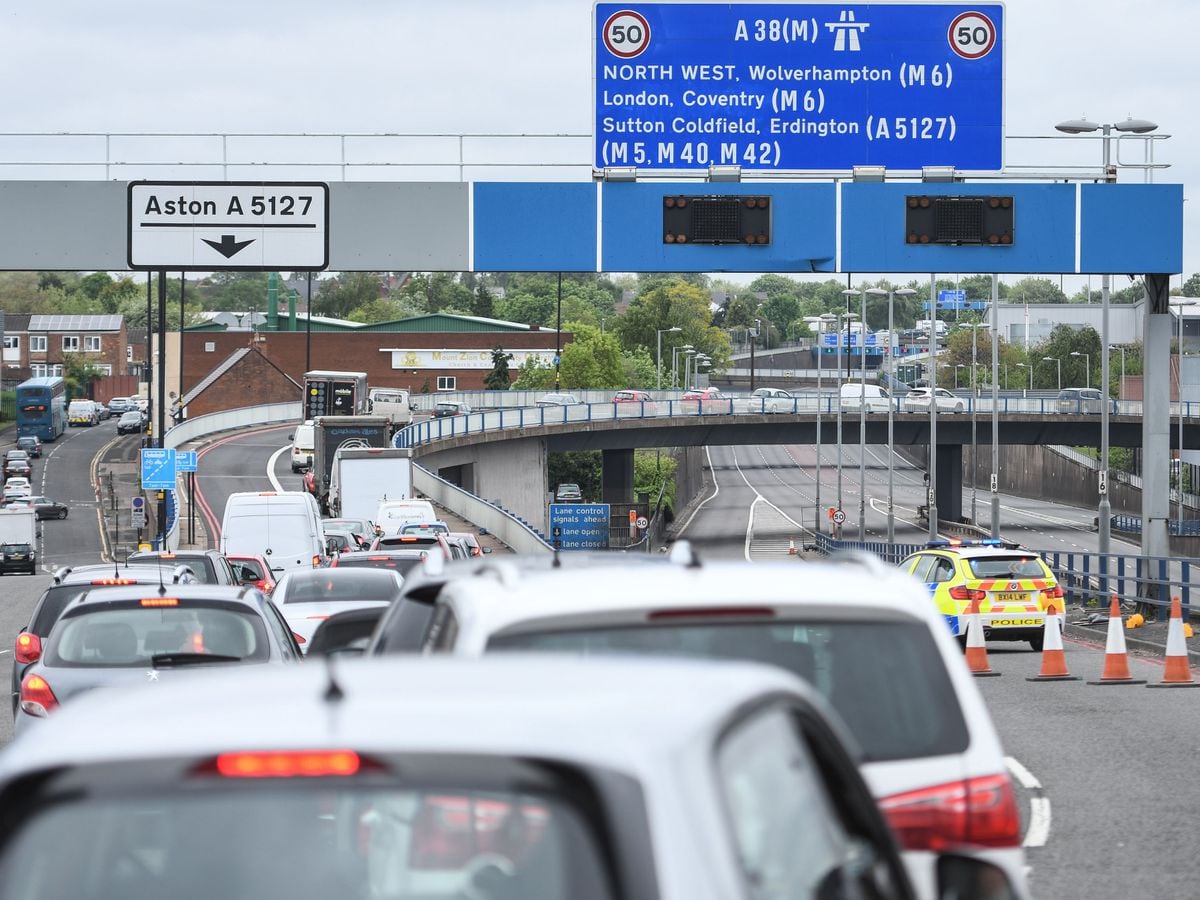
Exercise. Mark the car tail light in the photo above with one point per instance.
(979, 811)
(288, 764)
(36, 697)
(1052, 593)
(29, 648)
(316, 562)
(961, 592)
(265, 585)
(299, 639)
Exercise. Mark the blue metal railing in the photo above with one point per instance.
(1133, 525)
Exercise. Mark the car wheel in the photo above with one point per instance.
(962, 642)
(960, 408)
(62, 514)
(1036, 643)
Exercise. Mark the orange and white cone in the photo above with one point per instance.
(1054, 661)
(1116, 658)
(976, 654)
(1176, 672)
(791, 547)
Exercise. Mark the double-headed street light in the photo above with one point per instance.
(1087, 361)
(1055, 359)
(1129, 126)
(674, 361)
(660, 333)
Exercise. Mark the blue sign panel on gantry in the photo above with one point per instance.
(789, 86)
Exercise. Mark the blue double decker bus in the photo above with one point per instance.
(42, 408)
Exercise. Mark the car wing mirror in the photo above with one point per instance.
(967, 876)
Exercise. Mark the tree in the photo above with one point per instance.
(592, 360)
(1036, 290)
(384, 309)
(483, 303)
(534, 375)
(498, 379)
(1063, 341)
(667, 305)
(342, 295)
(1191, 287)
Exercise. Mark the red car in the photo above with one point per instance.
(635, 402)
(253, 570)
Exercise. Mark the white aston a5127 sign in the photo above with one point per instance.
(214, 225)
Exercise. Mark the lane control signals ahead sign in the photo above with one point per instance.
(798, 86)
(223, 225)
(579, 526)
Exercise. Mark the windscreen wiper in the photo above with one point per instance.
(167, 660)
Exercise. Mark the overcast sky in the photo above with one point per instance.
(522, 66)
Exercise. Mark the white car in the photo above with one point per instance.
(856, 394)
(547, 779)
(307, 597)
(866, 636)
(917, 400)
(771, 400)
(17, 486)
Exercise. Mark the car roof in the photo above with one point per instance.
(514, 596)
(510, 705)
(247, 596)
(980, 552)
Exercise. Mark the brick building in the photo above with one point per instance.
(245, 373)
(422, 354)
(42, 343)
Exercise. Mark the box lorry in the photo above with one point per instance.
(364, 478)
(332, 432)
(18, 541)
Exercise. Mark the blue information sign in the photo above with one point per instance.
(158, 469)
(778, 86)
(579, 526)
(185, 461)
(951, 299)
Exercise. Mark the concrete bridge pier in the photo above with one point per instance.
(616, 478)
(1156, 418)
(950, 482)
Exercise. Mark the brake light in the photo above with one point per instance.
(110, 581)
(980, 811)
(159, 601)
(316, 562)
(299, 639)
(29, 648)
(36, 697)
(318, 618)
(288, 764)
(265, 585)
(1052, 593)
(961, 592)
(714, 612)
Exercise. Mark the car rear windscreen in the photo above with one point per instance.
(1006, 567)
(334, 585)
(401, 564)
(294, 838)
(132, 634)
(886, 679)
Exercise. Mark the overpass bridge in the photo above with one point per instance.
(502, 454)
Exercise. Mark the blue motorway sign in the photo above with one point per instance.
(951, 298)
(185, 460)
(158, 469)
(796, 86)
(579, 526)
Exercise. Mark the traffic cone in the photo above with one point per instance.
(1054, 661)
(1116, 659)
(1176, 672)
(791, 547)
(976, 654)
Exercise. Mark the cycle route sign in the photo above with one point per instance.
(800, 86)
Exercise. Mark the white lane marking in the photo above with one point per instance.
(758, 498)
(2, 652)
(700, 506)
(271, 467)
(1039, 806)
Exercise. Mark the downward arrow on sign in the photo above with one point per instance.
(227, 246)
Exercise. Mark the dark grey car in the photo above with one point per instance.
(1076, 401)
(143, 634)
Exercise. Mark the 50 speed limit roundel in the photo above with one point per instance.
(972, 35)
(626, 34)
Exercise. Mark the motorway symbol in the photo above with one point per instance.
(225, 225)
(228, 246)
(972, 35)
(158, 469)
(839, 517)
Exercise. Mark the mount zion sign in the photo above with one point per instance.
(218, 225)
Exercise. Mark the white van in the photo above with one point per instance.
(392, 404)
(283, 527)
(303, 442)
(394, 513)
(855, 394)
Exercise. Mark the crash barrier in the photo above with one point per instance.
(242, 417)
(1087, 579)
(1133, 525)
(509, 529)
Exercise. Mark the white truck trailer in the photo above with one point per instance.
(362, 478)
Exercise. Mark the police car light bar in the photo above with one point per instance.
(982, 542)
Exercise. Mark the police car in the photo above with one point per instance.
(1013, 587)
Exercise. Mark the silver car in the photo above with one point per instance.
(547, 779)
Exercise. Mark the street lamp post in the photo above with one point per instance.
(1083, 126)
(1121, 384)
(957, 366)
(660, 333)
(891, 295)
(847, 317)
(1087, 362)
(1058, 361)
(820, 321)
(687, 368)
(674, 362)
(974, 326)
(1030, 368)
